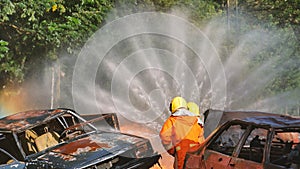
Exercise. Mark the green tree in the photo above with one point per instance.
(9, 69)
(281, 19)
(36, 31)
(277, 12)
(284, 16)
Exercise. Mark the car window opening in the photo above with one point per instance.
(285, 148)
(253, 148)
(228, 140)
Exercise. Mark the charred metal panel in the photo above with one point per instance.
(275, 121)
(13, 165)
(212, 121)
(216, 160)
(241, 163)
(215, 118)
(194, 161)
(21, 121)
(71, 150)
(96, 148)
(269, 141)
(78, 143)
(109, 120)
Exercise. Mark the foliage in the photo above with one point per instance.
(276, 12)
(284, 16)
(38, 30)
(281, 18)
(196, 10)
(8, 68)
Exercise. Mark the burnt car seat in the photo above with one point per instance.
(48, 139)
(30, 136)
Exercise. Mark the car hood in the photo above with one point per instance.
(89, 150)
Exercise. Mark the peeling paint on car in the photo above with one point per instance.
(69, 151)
(23, 120)
(261, 141)
(61, 138)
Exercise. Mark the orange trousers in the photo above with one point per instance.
(180, 152)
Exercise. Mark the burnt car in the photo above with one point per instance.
(262, 141)
(61, 138)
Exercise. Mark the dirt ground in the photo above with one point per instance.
(166, 162)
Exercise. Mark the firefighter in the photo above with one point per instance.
(180, 131)
(194, 108)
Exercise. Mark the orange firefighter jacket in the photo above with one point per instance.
(178, 128)
(179, 134)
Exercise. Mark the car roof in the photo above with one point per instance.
(263, 118)
(275, 121)
(27, 119)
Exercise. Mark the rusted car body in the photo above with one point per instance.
(61, 138)
(259, 141)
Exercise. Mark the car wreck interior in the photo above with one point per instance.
(49, 134)
(7, 145)
(285, 148)
(250, 142)
(253, 148)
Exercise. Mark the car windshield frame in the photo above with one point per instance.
(62, 119)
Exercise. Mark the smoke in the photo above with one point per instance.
(136, 64)
(135, 71)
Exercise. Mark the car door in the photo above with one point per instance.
(218, 153)
(215, 159)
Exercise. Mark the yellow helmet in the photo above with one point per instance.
(194, 108)
(177, 102)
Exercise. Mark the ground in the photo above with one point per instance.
(166, 162)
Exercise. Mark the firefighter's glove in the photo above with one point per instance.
(172, 151)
